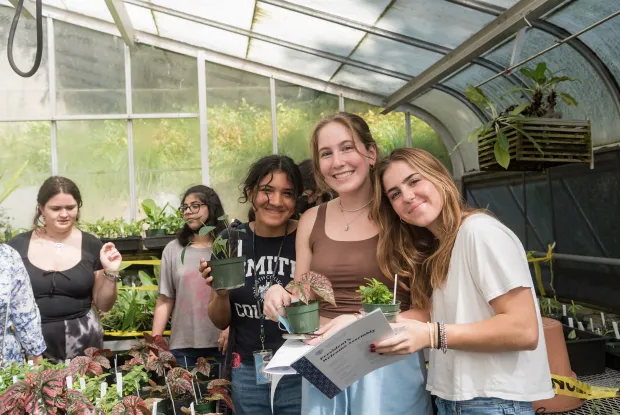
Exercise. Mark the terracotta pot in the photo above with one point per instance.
(559, 365)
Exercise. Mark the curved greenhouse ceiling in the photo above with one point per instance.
(408, 55)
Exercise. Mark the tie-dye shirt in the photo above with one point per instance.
(24, 314)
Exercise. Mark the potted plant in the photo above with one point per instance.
(228, 270)
(586, 351)
(179, 390)
(153, 356)
(531, 135)
(550, 307)
(376, 295)
(217, 390)
(131, 405)
(303, 315)
(161, 225)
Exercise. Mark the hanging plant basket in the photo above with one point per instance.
(559, 142)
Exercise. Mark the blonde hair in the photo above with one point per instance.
(356, 126)
(412, 251)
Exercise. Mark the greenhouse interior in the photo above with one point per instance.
(137, 101)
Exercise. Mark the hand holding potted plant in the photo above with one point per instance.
(227, 270)
(303, 315)
(376, 295)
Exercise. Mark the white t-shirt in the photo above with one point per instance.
(487, 261)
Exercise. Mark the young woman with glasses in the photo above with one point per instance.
(182, 291)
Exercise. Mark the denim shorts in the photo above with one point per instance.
(483, 406)
(252, 399)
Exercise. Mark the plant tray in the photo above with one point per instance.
(157, 243)
(124, 245)
(586, 353)
(561, 142)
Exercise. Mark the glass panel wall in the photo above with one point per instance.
(239, 126)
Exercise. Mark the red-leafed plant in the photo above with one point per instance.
(312, 281)
(39, 393)
(77, 403)
(131, 405)
(217, 390)
(152, 354)
(180, 382)
(202, 366)
(92, 364)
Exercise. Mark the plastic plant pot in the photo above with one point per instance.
(228, 273)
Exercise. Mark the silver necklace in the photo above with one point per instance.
(346, 226)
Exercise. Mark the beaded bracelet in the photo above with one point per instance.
(111, 277)
(438, 336)
(444, 339)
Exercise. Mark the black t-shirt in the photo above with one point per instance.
(245, 319)
(67, 294)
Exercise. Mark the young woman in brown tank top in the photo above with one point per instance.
(339, 240)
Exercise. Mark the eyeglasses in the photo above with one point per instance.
(193, 208)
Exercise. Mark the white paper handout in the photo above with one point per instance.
(341, 359)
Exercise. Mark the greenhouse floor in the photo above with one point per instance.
(611, 379)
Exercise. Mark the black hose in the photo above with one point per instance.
(37, 59)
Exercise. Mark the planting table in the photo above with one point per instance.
(611, 379)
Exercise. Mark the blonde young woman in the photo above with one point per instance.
(470, 271)
(339, 240)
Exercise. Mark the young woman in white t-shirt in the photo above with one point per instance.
(471, 273)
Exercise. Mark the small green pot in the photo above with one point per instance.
(155, 232)
(304, 318)
(390, 311)
(228, 273)
(205, 408)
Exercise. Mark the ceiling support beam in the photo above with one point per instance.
(123, 22)
(29, 10)
(495, 32)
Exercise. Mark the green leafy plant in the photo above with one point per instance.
(375, 292)
(159, 218)
(573, 308)
(221, 247)
(112, 229)
(542, 92)
(134, 309)
(312, 281)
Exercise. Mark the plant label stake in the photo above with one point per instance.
(115, 368)
(580, 326)
(395, 285)
(155, 407)
(171, 398)
(137, 388)
(598, 331)
(570, 322)
(69, 382)
(564, 310)
(14, 379)
(104, 389)
(119, 384)
(185, 357)
(615, 324)
(82, 384)
(239, 250)
(591, 324)
(67, 361)
(30, 363)
(603, 319)
(191, 408)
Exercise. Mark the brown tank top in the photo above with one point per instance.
(346, 264)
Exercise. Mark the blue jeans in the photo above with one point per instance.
(192, 355)
(483, 406)
(252, 399)
(395, 389)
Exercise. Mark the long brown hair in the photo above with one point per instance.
(356, 126)
(412, 251)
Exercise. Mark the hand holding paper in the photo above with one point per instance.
(412, 336)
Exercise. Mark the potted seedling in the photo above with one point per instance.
(227, 266)
(303, 315)
(550, 307)
(375, 295)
